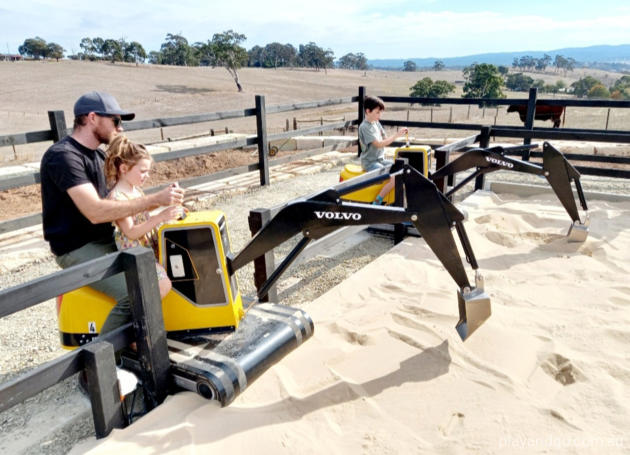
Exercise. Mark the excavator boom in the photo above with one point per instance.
(426, 207)
(555, 168)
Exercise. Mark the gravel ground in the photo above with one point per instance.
(30, 338)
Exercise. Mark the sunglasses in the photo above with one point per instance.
(117, 120)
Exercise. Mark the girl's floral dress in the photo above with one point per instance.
(149, 240)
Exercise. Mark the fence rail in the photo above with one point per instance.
(262, 138)
(97, 357)
(25, 138)
(505, 101)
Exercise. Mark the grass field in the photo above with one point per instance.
(32, 88)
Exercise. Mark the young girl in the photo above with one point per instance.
(127, 167)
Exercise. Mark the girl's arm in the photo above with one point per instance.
(135, 231)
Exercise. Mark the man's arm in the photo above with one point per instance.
(98, 210)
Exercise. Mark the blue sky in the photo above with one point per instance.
(379, 29)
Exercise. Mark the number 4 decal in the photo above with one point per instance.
(92, 327)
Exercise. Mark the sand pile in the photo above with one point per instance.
(387, 373)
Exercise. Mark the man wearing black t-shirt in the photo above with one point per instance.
(77, 217)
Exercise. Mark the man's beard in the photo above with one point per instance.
(102, 137)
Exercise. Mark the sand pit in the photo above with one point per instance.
(387, 373)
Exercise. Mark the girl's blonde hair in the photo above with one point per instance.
(122, 151)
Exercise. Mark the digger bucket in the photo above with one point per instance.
(474, 309)
(578, 232)
(559, 173)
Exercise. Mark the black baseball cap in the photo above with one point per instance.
(100, 103)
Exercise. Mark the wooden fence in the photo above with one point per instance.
(527, 132)
(262, 138)
(97, 358)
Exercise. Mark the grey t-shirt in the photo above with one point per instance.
(368, 133)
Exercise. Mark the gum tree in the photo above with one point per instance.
(482, 81)
(225, 50)
(176, 51)
(34, 47)
(427, 88)
(54, 50)
(409, 66)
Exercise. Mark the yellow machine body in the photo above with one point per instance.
(419, 157)
(204, 297)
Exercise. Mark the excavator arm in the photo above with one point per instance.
(555, 168)
(426, 207)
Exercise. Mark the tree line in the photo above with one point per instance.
(588, 86)
(481, 81)
(529, 63)
(486, 81)
(176, 50)
(113, 50)
(38, 48)
(224, 49)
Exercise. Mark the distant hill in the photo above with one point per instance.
(603, 55)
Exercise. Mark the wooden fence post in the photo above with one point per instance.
(360, 114)
(400, 230)
(564, 115)
(263, 145)
(102, 383)
(442, 157)
(58, 126)
(484, 142)
(148, 323)
(263, 265)
(529, 119)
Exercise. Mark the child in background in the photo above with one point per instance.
(127, 167)
(373, 141)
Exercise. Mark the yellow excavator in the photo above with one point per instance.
(215, 347)
(555, 168)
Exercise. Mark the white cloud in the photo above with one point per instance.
(376, 28)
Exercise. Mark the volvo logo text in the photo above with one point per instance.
(337, 215)
(499, 162)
